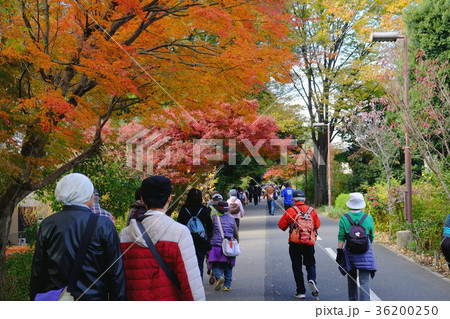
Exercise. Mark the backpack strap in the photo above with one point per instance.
(349, 219)
(199, 211)
(82, 250)
(362, 219)
(352, 222)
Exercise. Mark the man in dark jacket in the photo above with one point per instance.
(102, 274)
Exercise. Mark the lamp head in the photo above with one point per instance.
(384, 36)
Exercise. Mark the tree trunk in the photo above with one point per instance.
(8, 202)
(319, 165)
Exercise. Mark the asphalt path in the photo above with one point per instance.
(263, 270)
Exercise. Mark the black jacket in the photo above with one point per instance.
(205, 218)
(56, 247)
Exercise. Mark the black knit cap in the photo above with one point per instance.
(222, 206)
(156, 187)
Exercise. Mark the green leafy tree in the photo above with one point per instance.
(428, 25)
(333, 70)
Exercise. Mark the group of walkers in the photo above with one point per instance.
(78, 251)
(153, 258)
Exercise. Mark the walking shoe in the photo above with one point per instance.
(212, 280)
(300, 296)
(226, 288)
(219, 283)
(314, 290)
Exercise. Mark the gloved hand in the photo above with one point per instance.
(340, 256)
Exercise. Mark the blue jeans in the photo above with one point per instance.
(302, 255)
(222, 269)
(364, 287)
(271, 206)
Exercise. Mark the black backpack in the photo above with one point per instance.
(357, 241)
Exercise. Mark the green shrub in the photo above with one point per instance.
(333, 212)
(17, 276)
(428, 208)
(341, 201)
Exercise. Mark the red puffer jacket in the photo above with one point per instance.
(145, 280)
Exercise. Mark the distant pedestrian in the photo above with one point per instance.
(270, 195)
(194, 207)
(222, 266)
(287, 194)
(102, 272)
(215, 198)
(356, 258)
(445, 244)
(242, 196)
(171, 272)
(236, 208)
(303, 224)
(138, 208)
(96, 209)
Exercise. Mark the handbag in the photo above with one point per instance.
(169, 273)
(230, 247)
(63, 294)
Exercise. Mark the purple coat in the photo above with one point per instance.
(359, 261)
(228, 225)
(228, 229)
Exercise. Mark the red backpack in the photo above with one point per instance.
(302, 230)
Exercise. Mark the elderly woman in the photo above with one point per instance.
(102, 275)
(357, 264)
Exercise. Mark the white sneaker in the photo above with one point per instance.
(300, 296)
(314, 290)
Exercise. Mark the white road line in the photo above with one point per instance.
(373, 296)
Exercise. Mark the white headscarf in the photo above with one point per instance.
(74, 189)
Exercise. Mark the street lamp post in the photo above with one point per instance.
(392, 37)
(328, 159)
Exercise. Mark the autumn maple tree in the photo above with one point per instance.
(72, 65)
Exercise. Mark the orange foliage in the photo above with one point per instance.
(87, 62)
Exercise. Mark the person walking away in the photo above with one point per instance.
(215, 198)
(137, 209)
(222, 266)
(287, 194)
(303, 224)
(174, 276)
(59, 237)
(356, 259)
(232, 190)
(242, 196)
(194, 207)
(445, 244)
(235, 207)
(269, 194)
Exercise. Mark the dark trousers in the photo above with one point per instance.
(201, 253)
(287, 206)
(445, 246)
(302, 255)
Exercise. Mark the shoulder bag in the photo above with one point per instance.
(169, 273)
(230, 247)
